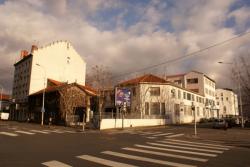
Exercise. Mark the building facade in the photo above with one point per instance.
(57, 60)
(154, 97)
(200, 83)
(227, 102)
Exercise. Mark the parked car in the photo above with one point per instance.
(219, 124)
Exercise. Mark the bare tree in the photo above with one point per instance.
(100, 78)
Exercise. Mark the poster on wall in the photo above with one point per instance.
(122, 96)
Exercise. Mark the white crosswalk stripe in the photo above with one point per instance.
(185, 148)
(165, 154)
(149, 133)
(39, 131)
(104, 161)
(163, 134)
(24, 132)
(175, 135)
(151, 137)
(54, 131)
(174, 150)
(192, 145)
(140, 158)
(197, 143)
(55, 164)
(8, 134)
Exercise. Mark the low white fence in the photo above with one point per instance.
(119, 123)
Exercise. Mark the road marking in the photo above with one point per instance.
(69, 131)
(149, 133)
(39, 131)
(55, 131)
(165, 154)
(176, 135)
(55, 164)
(146, 159)
(9, 134)
(206, 144)
(173, 150)
(24, 132)
(104, 161)
(193, 145)
(151, 137)
(163, 134)
(185, 148)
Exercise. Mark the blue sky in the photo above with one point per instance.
(128, 35)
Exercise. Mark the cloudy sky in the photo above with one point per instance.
(129, 35)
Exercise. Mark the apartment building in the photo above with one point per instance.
(57, 60)
(227, 102)
(198, 82)
(154, 97)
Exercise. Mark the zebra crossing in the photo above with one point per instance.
(16, 132)
(169, 152)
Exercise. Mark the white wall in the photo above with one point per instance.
(54, 58)
(117, 123)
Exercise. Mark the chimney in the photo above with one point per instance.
(33, 48)
(24, 53)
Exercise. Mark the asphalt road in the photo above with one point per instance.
(27, 145)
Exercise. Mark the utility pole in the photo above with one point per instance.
(193, 109)
(1, 98)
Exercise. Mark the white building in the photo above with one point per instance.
(227, 102)
(57, 60)
(200, 83)
(154, 101)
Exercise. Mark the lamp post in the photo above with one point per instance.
(43, 109)
(239, 87)
(1, 98)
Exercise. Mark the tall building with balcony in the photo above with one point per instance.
(200, 83)
(57, 60)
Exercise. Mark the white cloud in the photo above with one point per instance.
(196, 24)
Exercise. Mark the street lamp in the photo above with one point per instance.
(43, 109)
(239, 87)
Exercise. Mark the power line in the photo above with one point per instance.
(192, 54)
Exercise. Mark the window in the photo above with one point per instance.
(192, 80)
(154, 91)
(179, 94)
(221, 98)
(146, 108)
(197, 99)
(218, 103)
(206, 90)
(163, 110)
(227, 98)
(193, 97)
(184, 95)
(188, 96)
(221, 94)
(173, 93)
(154, 108)
(198, 111)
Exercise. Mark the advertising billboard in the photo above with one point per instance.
(122, 96)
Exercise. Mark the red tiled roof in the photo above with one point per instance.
(5, 97)
(56, 83)
(55, 88)
(148, 78)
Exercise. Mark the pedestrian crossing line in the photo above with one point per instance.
(198, 143)
(39, 131)
(186, 148)
(104, 161)
(53, 131)
(24, 132)
(166, 154)
(192, 145)
(151, 137)
(176, 135)
(69, 131)
(162, 134)
(55, 163)
(139, 158)
(8, 134)
(149, 133)
(174, 150)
